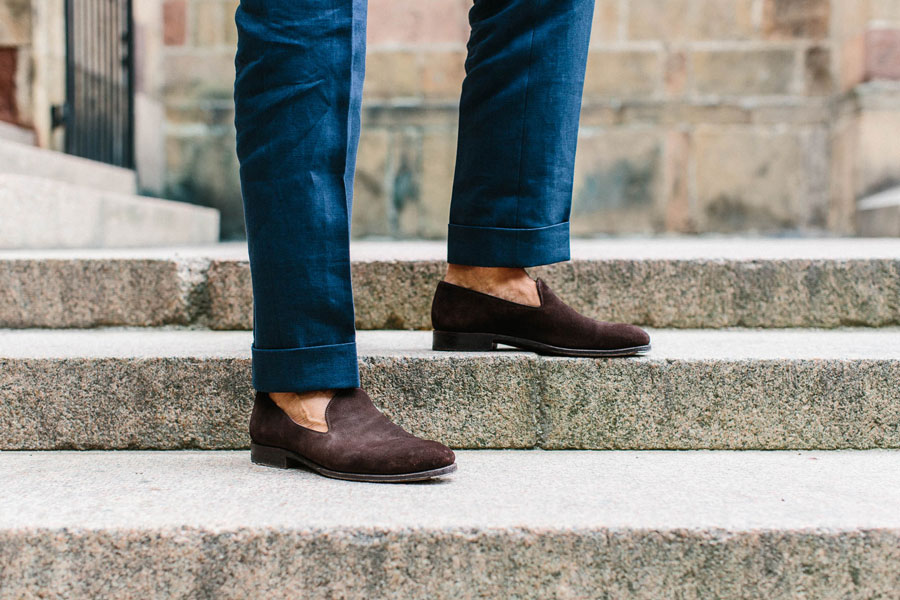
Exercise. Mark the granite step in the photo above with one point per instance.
(507, 524)
(697, 389)
(658, 282)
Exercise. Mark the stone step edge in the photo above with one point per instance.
(215, 292)
(719, 389)
(648, 524)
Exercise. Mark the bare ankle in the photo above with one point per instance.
(305, 408)
(510, 283)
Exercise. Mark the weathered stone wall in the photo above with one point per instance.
(699, 115)
(878, 154)
(190, 72)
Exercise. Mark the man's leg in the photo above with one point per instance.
(512, 189)
(518, 127)
(298, 90)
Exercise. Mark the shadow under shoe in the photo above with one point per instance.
(361, 444)
(467, 320)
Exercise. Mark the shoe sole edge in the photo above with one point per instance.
(286, 459)
(450, 341)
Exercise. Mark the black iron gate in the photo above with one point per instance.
(99, 111)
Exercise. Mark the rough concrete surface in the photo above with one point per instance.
(527, 524)
(90, 293)
(706, 282)
(731, 389)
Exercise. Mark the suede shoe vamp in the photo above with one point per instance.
(359, 438)
(457, 309)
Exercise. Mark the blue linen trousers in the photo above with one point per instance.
(298, 91)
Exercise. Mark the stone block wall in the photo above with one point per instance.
(883, 40)
(878, 119)
(707, 115)
(699, 115)
(184, 109)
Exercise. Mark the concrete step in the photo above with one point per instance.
(680, 282)
(24, 159)
(42, 213)
(879, 214)
(527, 524)
(721, 389)
(10, 133)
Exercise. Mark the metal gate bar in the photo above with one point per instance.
(99, 111)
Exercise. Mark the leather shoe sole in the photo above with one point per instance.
(285, 459)
(484, 342)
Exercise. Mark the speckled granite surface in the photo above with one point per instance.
(660, 282)
(507, 524)
(737, 389)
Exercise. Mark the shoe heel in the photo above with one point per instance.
(266, 455)
(462, 342)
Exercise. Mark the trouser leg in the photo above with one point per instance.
(518, 126)
(298, 90)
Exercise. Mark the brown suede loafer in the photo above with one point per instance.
(361, 444)
(466, 320)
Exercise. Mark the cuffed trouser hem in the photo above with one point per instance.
(305, 369)
(502, 247)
